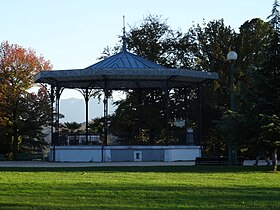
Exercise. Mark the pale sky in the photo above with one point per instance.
(73, 33)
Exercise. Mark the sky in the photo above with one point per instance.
(73, 33)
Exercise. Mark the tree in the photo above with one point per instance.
(234, 128)
(268, 104)
(270, 135)
(153, 39)
(209, 45)
(199, 48)
(265, 89)
(96, 127)
(251, 44)
(274, 17)
(254, 38)
(71, 128)
(259, 91)
(204, 47)
(17, 68)
(139, 119)
(35, 114)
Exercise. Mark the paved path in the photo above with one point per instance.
(45, 164)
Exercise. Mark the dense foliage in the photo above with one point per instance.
(141, 117)
(22, 113)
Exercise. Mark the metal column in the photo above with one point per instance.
(86, 96)
(139, 110)
(52, 109)
(87, 93)
(166, 92)
(199, 136)
(186, 114)
(105, 103)
(57, 92)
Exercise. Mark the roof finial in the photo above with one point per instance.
(124, 37)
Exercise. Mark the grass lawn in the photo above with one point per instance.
(178, 187)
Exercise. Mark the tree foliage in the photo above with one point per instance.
(270, 135)
(153, 34)
(19, 108)
(71, 128)
(140, 117)
(204, 47)
(267, 89)
(274, 17)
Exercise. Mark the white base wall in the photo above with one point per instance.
(123, 153)
(178, 153)
(75, 153)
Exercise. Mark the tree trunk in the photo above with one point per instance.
(15, 143)
(274, 160)
(15, 132)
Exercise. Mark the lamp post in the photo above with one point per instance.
(232, 56)
(232, 151)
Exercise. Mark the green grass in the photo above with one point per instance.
(195, 187)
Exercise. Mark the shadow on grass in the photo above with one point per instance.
(140, 196)
(165, 169)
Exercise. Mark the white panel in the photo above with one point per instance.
(93, 153)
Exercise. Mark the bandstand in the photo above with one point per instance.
(122, 71)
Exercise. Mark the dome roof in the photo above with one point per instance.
(125, 60)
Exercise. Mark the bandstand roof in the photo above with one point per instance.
(124, 70)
